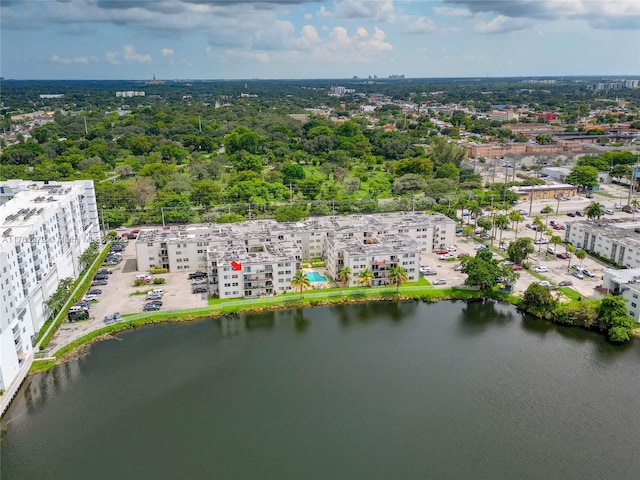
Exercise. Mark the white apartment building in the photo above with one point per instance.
(44, 229)
(270, 253)
(627, 284)
(619, 242)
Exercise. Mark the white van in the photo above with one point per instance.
(158, 291)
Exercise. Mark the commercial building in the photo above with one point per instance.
(257, 258)
(625, 283)
(545, 192)
(618, 242)
(44, 230)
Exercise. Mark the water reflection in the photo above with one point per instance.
(366, 312)
(478, 315)
(233, 325)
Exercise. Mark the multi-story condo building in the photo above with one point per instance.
(618, 242)
(625, 283)
(256, 258)
(44, 230)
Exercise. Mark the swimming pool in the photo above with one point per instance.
(315, 277)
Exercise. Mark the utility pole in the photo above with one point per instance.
(162, 212)
(290, 195)
(200, 123)
(531, 200)
(558, 206)
(86, 129)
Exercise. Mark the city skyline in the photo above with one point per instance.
(220, 39)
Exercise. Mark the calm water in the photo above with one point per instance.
(444, 391)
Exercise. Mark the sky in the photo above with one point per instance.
(297, 39)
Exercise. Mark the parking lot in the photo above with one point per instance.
(557, 269)
(117, 296)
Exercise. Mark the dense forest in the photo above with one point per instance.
(229, 150)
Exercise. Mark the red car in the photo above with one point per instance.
(517, 268)
(442, 252)
(563, 256)
(461, 255)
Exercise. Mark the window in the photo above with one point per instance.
(633, 304)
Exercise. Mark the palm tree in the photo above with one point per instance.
(366, 277)
(476, 212)
(398, 276)
(501, 222)
(547, 210)
(581, 254)
(301, 281)
(634, 203)
(345, 275)
(594, 211)
(570, 249)
(555, 240)
(516, 218)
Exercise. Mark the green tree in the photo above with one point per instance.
(501, 222)
(594, 210)
(583, 176)
(620, 171)
(613, 316)
(448, 170)
(516, 218)
(205, 193)
(538, 301)
(467, 230)
(547, 210)
(397, 276)
(581, 255)
(291, 213)
(555, 240)
(366, 277)
(292, 173)
(143, 190)
(345, 275)
(300, 281)
(570, 250)
(519, 250)
(482, 270)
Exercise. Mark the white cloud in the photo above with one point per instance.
(502, 24)
(131, 56)
(382, 10)
(167, 52)
(420, 25)
(69, 60)
(262, 57)
(127, 54)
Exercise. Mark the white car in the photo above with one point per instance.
(452, 249)
(540, 269)
(90, 298)
(544, 283)
(608, 211)
(480, 247)
(617, 205)
(446, 256)
(440, 281)
(588, 272)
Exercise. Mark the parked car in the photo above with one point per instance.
(154, 296)
(199, 281)
(442, 252)
(90, 298)
(108, 319)
(101, 277)
(517, 268)
(118, 317)
(430, 272)
(565, 283)
(576, 267)
(462, 255)
(158, 291)
(203, 289)
(459, 268)
(540, 269)
(578, 275)
(104, 271)
(544, 283)
(446, 256)
(480, 247)
(151, 307)
(579, 213)
(197, 275)
(99, 283)
(562, 256)
(571, 214)
(617, 205)
(95, 291)
(608, 211)
(440, 281)
(452, 249)
(155, 302)
(588, 272)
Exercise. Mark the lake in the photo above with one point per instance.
(451, 390)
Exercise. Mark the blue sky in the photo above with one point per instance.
(223, 39)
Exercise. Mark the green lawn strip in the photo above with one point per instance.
(570, 293)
